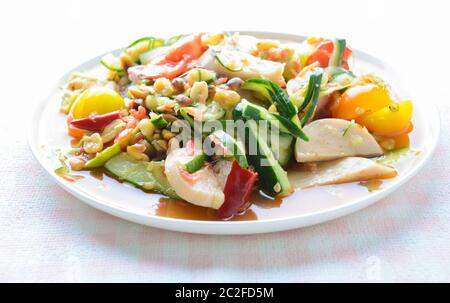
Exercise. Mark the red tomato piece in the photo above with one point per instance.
(238, 189)
(191, 47)
(323, 53)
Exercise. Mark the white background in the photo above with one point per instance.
(41, 40)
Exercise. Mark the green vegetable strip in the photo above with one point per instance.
(284, 105)
(232, 146)
(254, 112)
(147, 175)
(172, 40)
(317, 76)
(196, 163)
(103, 156)
(187, 117)
(292, 127)
(108, 153)
(336, 58)
(216, 56)
(159, 121)
(309, 93)
(274, 94)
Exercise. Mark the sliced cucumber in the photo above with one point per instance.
(231, 145)
(273, 180)
(283, 149)
(224, 64)
(312, 95)
(159, 121)
(274, 94)
(112, 63)
(146, 175)
(172, 40)
(201, 74)
(184, 114)
(257, 113)
(142, 45)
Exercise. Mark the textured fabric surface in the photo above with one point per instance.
(48, 235)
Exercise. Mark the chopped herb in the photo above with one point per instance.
(347, 129)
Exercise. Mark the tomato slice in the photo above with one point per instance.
(389, 120)
(180, 58)
(323, 53)
(359, 100)
(168, 70)
(397, 142)
(190, 46)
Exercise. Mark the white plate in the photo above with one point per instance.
(303, 208)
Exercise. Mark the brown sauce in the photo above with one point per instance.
(261, 200)
(97, 173)
(178, 209)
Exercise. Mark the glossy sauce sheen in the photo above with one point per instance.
(260, 203)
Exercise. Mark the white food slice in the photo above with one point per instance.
(249, 66)
(222, 169)
(200, 188)
(346, 170)
(331, 139)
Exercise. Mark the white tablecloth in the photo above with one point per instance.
(48, 235)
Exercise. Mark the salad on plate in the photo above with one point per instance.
(211, 118)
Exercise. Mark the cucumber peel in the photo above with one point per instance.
(144, 174)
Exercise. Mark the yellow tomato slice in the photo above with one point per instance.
(388, 120)
(96, 100)
(359, 100)
(397, 142)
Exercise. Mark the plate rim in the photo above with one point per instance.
(234, 227)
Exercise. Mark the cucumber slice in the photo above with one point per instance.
(146, 175)
(312, 94)
(257, 113)
(283, 149)
(232, 146)
(224, 65)
(183, 112)
(112, 63)
(142, 45)
(172, 40)
(159, 121)
(274, 94)
(273, 180)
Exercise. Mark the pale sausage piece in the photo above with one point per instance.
(331, 139)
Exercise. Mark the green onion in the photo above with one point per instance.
(159, 121)
(196, 163)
